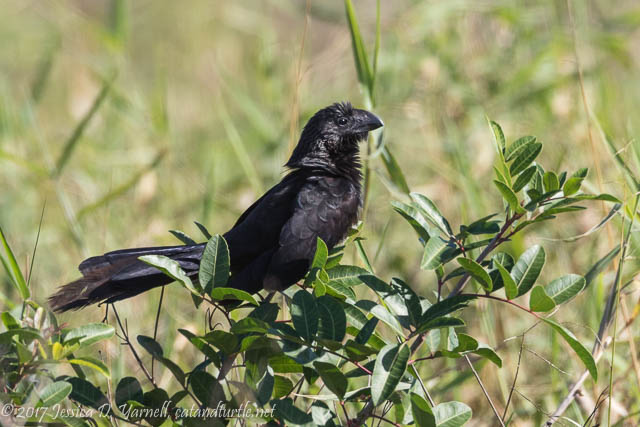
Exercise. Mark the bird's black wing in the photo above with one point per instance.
(258, 229)
(325, 207)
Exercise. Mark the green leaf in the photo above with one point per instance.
(604, 197)
(13, 270)
(600, 265)
(422, 412)
(183, 237)
(92, 363)
(489, 354)
(527, 269)
(321, 255)
(366, 331)
(446, 306)
(393, 169)
(582, 352)
(221, 294)
(509, 196)
(171, 268)
(477, 272)
(414, 218)
(524, 178)
(90, 333)
(203, 230)
(86, 393)
(265, 387)
(574, 183)
(321, 414)
(286, 410)
(248, 325)
(346, 275)
(550, 181)
(431, 212)
(514, 148)
(332, 378)
(223, 340)
(150, 345)
(128, 388)
(498, 137)
(214, 266)
(510, 287)
(434, 253)
(564, 288)
(281, 386)
(383, 314)
(540, 301)
(390, 366)
(54, 393)
(525, 157)
(304, 314)
(206, 388)
(451, 414)
(333, 320)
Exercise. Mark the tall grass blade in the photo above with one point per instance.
(240, 150)
(121, 189)
(359, 53)
(72, 141)
(13, 270)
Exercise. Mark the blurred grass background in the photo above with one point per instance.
(132, 118)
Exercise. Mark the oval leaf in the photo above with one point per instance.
(304, 313)
(171, 268)
(540, 301)
(391, 364)
(525, 156)
(477, 272)
(214, 266)
(566, 287)
(221, 294)
(333, 320)
(510, 287)
(582, 352)
(54, 393)
(527, 269)
(451, 414)
(332, 378)
(434, 253)
(509, 196)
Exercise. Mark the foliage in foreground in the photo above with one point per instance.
(352, 340)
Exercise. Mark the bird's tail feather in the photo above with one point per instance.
(120, 274)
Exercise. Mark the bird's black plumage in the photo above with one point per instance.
(272, 243)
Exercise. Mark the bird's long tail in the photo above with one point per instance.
(120, 274)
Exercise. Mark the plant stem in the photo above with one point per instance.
(484, 390)
(495, 242)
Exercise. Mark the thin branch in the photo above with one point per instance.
(494, 243)
(515, 379)
(385, 420)
(484, 390)
(125, 338)
(155, 328)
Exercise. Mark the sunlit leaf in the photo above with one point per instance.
(582, 352)
(391, 364)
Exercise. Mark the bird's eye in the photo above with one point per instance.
(342, 121)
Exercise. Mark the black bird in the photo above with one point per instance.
(273, 242)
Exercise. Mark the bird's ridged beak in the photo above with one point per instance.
(367, 121)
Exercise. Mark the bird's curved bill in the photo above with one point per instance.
(367, 121)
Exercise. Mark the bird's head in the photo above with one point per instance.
(332, 135)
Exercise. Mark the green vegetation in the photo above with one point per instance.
(120, 121)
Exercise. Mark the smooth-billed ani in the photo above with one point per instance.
(274, 240)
